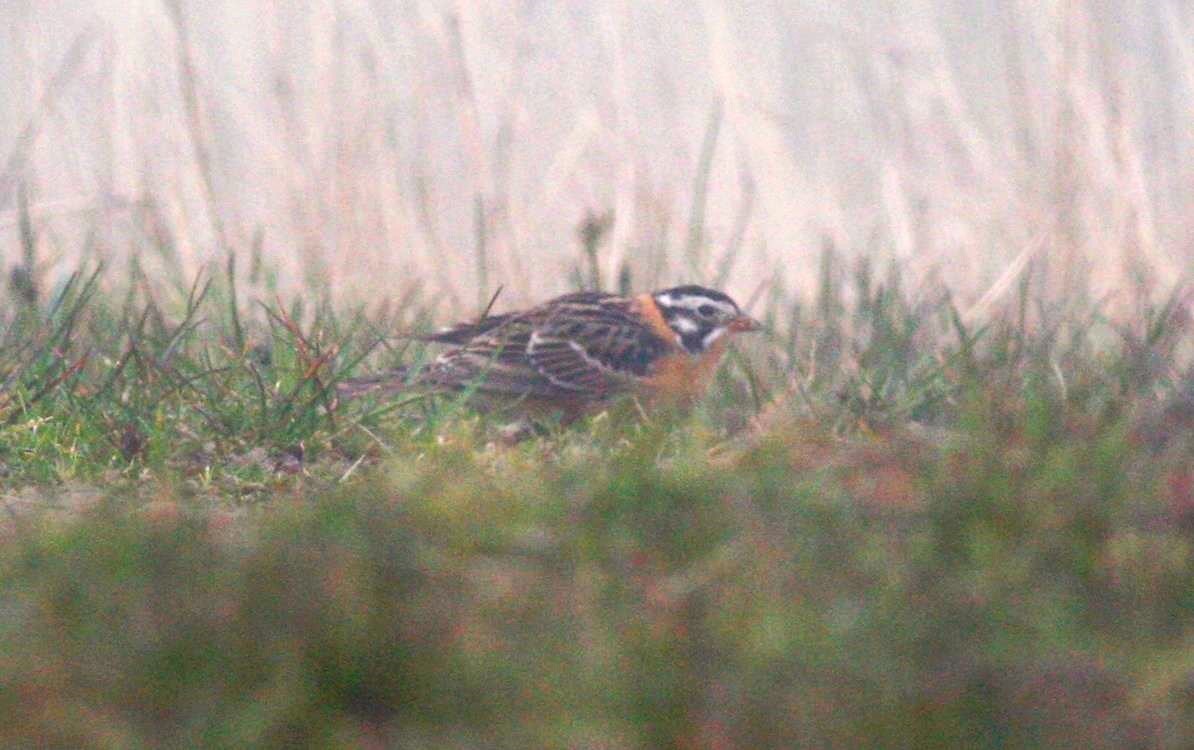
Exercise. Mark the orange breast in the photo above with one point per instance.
(681, 378)
(678, 377)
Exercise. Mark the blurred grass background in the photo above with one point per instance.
(372, 146)
(945, 501)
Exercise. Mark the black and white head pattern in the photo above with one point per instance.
(699, 316)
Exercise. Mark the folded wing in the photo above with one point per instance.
(594, 348)
(587, 346)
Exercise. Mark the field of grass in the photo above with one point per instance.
(945, 499)
(889, 525)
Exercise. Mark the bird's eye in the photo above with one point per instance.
(707, 310)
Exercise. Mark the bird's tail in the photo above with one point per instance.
(386, 383)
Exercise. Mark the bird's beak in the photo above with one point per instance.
(744, 324)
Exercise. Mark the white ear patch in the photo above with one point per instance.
(685, 325)
(712, 336)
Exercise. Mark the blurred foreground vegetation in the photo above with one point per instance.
(890, 525)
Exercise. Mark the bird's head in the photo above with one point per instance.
(700, 316)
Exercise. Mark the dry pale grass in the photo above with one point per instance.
(374, 147)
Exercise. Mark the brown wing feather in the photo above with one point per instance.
(583, 345)
(595, 345)
(567, 366)
(495, 362)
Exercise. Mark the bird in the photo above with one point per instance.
(577, 353)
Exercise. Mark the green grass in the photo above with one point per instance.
(886, 527)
